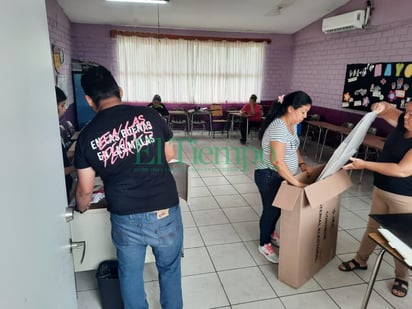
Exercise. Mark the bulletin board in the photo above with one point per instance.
(367, 83)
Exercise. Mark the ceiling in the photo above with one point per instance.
(264, 16)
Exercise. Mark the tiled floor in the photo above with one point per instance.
(222, 268)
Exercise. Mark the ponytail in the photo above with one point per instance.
(280, 106)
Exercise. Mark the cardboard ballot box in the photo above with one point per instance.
(309, 225)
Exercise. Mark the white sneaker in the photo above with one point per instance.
(275, 239)
(269, 253)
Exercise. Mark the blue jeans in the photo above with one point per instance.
(268, 182)
(131, 234)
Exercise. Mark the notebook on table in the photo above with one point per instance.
(397, 229)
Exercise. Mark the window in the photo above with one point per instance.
(189, 71)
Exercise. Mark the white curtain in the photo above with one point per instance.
(189, 71)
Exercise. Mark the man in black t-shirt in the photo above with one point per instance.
(129, 148)
(158, 105)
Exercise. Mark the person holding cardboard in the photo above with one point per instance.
(281, 160)
(392, 191)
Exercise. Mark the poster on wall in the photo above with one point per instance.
(367, 83)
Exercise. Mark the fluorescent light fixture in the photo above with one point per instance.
(140, 1)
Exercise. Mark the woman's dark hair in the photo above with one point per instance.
(295, 99)
(60, 96)
(253, 97)
(99, 84)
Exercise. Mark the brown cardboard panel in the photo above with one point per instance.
(308, 241)
(309, 225)
(326, 189)
(287, 196)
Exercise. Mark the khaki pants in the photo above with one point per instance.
(384, 202)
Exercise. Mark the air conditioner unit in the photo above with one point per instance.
(344, 22)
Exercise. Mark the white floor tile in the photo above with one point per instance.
(245, 285)
(192, 238)
(247, 230)
(348, 220)
(282, 289)
(354, 203)
(352, 297)
(357, 233)
(86, 280)
(262, 304)
(346, 243)
(226, 201)
(237, 179)
(313, 300)
(89, 300)
(222, 190)
(209, 217)
(253, 198)
(199, 192)
(203, 292)
(153, 294)
(215, 181)
(196, 261)
(188, 219)
(230, 256)
(241, 214)
(331, 277)
(243, 188)
(218, 234)
(198, 203)
(197, 182)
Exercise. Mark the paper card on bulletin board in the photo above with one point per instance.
(367, 83)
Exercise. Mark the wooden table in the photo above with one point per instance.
(374, 142)
(238, 114)
(326, 127)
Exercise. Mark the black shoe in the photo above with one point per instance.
(242, 141)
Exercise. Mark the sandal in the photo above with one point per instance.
(351, 265)
(401, 287)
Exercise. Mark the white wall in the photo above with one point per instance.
(37, 271)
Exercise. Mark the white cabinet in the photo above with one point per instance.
(91, 230)
(92, 233)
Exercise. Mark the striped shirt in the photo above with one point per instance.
(278, 131)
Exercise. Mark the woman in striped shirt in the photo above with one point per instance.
(281, 160)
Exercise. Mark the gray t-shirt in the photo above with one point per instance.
(278, 131)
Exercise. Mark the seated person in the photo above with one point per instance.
(68, 166)
(158, 105)
(253, 112)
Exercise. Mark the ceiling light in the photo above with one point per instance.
(141, 1)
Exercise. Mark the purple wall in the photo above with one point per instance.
(93, 43)
(319, 60)
(308, 60)
(60, 35)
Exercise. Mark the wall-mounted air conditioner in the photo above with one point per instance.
(344, 22)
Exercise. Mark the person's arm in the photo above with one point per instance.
(69, 170)
(277, 159)
(243, 110)
(387, 111)
(84, 188)
(401, 169)
(169, 151)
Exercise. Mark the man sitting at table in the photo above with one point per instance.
(252, 112)
(158, 105)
